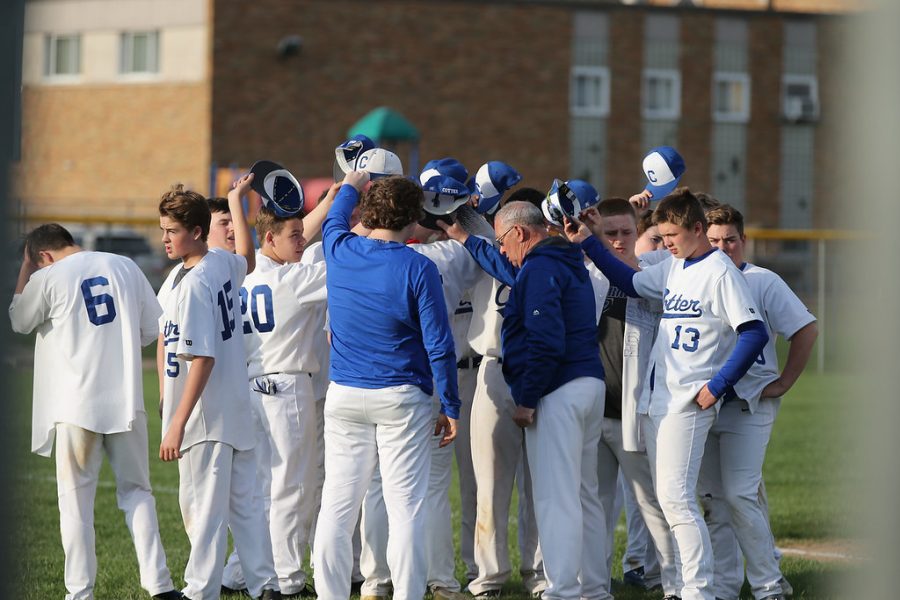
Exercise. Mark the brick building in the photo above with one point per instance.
(581, 88)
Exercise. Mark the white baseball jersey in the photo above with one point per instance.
(784, 314)
(314, 254)
(202, 318)
(93, 311)
(704, 302)
(489, 296)
(279, 309)
(459, 272)
(459, 326)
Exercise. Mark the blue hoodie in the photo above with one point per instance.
(549, 328)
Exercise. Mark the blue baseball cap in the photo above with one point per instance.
(491, 182)
(347, 152)
(444, 185)
(663, 167)
(586, 193)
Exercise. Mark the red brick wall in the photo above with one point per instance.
(623, 165)
(764, 129)
(694, 130)
(479, 82)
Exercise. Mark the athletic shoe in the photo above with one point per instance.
(786, 588)
(270, 595)
(170, 595)
(671, 597)
(445, 594)
(308, 591)
(634, 577)
(227, 591)
(489, 594)
(773, 597)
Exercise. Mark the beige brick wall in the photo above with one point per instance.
(110, 149)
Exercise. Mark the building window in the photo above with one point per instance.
(661, 94)
(62, 55)
(139, 52)
(731, 97)
(800, 98)
(589, 92)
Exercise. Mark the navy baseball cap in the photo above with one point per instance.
(568, 198)
(491, 182)
(280, 191)
(663, 167)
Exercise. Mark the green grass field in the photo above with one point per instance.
(804, 475)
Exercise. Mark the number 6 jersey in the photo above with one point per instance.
(92, 311)
(201, 315)
(704, 301)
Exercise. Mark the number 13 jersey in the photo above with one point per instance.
(704, 301)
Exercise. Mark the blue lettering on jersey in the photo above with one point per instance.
(464, 307)
(679, 307)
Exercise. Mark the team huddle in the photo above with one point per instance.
(594, 354)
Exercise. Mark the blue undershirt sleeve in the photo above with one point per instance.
(752, 338)
(618, 273)
(490, 260)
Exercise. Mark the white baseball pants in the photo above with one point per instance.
(635, 467)
(675, 444)
(730, 480)
(217, 491)
(497, 447)
(562, 452)
(394, 426)
(639, 548)
(462, 447)
(79, 456)
(438, 526)
(232, 574)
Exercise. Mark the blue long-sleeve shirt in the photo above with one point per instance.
(389, 323)
(549, 331)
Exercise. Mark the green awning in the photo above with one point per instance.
(385, 124)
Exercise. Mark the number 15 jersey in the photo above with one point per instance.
(704, 301)
(202, 318)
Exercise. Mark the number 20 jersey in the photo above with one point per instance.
(201, 315)
(704, 302)
(281, 312)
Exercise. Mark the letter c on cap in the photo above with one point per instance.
(651, 175)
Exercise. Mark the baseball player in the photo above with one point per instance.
(92, 312)
(390, 338)
(497, 447)
(731, 474)
(281, 303)
(695, 361)
(206, 406)
(626, 332)
(221, 225)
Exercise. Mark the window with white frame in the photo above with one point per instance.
(62, 55)
(661, 94)
(731, 97)
(139, 52)
(800, 98)
(589, 92)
